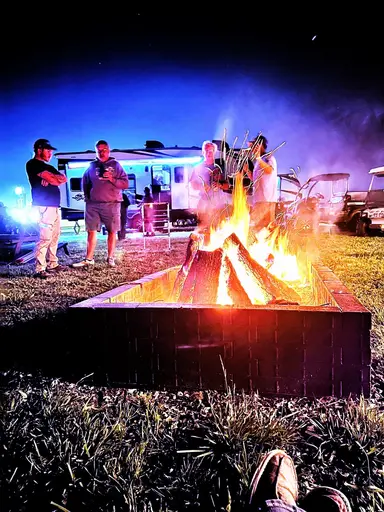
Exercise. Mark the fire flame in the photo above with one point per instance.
(270, 250)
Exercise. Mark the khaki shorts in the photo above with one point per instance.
(98, 214)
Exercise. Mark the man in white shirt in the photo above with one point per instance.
(209, 180)
(261, 168)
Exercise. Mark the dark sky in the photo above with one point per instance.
(309, 77)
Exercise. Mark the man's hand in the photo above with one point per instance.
(108, 174)
(44, 183)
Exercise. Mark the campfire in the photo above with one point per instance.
(233, 265)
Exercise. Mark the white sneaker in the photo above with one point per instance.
(83, 263)
(111, 262)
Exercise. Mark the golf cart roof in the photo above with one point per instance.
(332, 176)
(290, 177)
(377, 170)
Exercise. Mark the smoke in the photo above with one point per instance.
(321, 131)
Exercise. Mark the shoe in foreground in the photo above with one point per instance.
(326, 498)
(275, 478)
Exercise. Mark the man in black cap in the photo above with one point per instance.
(45, 181)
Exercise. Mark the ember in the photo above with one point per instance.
(233, 265)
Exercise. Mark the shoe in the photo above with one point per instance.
(111, 262)
(41, 275)
(275, 478)
(83, 263)
(326, 498)
(58, 268)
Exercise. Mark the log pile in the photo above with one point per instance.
(246, 281)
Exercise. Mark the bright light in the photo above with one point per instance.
(24, 215)
(19, 191)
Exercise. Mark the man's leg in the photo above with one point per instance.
(111, 242)
(91, 244)
(52, 259)
(46, 229)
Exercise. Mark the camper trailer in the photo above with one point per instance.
(166, 170)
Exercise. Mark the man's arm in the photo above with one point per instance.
(267, 166)
(120, 180)
(53, 179)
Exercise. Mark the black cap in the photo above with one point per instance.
(43, 144)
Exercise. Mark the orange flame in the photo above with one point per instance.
(270, 250)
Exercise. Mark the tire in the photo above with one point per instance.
(361, 227)
(352, 224)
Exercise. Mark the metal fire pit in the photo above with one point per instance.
(136, 338)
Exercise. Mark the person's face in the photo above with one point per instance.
(255, 147)
(45, 154)
(209, 151)
(103, 152)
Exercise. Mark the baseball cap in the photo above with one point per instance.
(43, 144)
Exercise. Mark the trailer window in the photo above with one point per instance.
(161, 176)
(179, 174)
(76, 184)
(132, 183)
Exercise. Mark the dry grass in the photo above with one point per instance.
(83, 447)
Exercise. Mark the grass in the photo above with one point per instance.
(76, 446)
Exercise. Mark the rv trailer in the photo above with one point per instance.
(166, 170)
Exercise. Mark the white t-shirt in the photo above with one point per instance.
(265, 184)
(215, 197)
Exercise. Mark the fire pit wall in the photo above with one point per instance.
(137, 339)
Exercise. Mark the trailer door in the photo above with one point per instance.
(180, 188)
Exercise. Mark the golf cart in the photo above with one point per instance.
(319, 200)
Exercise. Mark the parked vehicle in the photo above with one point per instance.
(347, 218)
(371, 216)
(319, 199)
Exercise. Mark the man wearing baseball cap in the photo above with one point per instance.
(45, 181)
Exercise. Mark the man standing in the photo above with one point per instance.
(103, 183)
(123, 217)
(261, 168)
(209, 180)
(45, 181)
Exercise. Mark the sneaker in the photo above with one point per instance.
(41, 275)
(275, 479)
(58, 268)
(83, 263)
(326, 498)
(111, 262)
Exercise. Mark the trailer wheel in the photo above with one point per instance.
(137, 223)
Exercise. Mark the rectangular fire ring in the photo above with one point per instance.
(138, 339)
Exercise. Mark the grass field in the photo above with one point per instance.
(67, 446)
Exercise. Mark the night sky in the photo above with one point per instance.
(310, 78)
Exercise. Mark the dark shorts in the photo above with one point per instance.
(97, 214)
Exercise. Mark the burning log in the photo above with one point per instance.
(202, 281)
(246, 271)
(235, 289)
(196, 241)
(263, 286)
